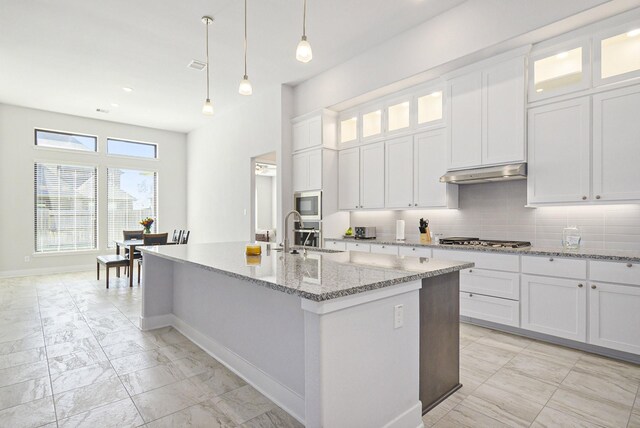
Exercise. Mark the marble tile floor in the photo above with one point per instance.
(72, 355)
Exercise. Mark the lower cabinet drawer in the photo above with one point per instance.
(494, 309)
(414, 251)
(356, 246)
(384, 249)
(335, 245)
(620, 272)
(491, 283)
(482, 260)
(554, 266)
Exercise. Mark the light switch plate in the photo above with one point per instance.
(398, 316)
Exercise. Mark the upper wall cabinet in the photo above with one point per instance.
(361, 177)
(486, 116)
(616, 54)
(430, 107)
(317, 129)
(348, 128)
(559, 70)
(399, 115)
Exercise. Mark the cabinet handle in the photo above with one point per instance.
(383, 246)
(550, 259)
(629, 265)
(579, 285)
(410, 204)
(593, 287)
(470, 295)
(470, 270)
(415, 205)
(584, 198)
(597, 196)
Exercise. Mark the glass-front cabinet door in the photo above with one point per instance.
(430, 107)
(617, 54)
(372, 124)
(398, 115)
(349, 128)
(560, 70)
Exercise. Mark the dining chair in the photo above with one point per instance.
(152, 239)
(127, 235)
(185, 237)
(177, 234)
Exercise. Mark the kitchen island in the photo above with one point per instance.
(333, 338)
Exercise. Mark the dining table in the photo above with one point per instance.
(131, 244)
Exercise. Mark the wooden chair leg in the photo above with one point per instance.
(138, 273)
(98, 271)
(107, 276)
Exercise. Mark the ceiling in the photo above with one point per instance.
(75, 56)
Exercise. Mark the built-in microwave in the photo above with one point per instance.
(309, 205)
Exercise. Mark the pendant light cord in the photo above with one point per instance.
(245, 39)
(304, 20)
(207, 47)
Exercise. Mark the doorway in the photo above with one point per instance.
(265, 198)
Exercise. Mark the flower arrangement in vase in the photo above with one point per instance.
(147, 223)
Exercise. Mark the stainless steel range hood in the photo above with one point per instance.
(487, 174)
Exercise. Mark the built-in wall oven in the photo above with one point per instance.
(309, 205)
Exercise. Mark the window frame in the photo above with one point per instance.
(127, 140)
(36, 146)
(107, 167)
(96, 225)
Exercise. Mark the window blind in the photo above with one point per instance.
(65, 207)
(131, 196)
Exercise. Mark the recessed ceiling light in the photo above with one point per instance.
(562, 55)
(102, 110)
(197, 65)
(633, 33)
(115, 105)
(127, 89)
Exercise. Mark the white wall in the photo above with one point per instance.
(467, 29)
(220, 197)
(17, 156)
(497, 211)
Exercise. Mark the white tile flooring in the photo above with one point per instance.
(71, 355)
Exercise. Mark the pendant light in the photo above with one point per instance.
(245, 85)
(207, 108)
(303, 52)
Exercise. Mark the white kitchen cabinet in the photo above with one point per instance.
(619, 272)
(486, 114)
(490, 283)
(429, 163)
(493, 309)
(559, 69)
(414, 251)
(384, 249)
(357, 246)
(317, 129)
(555, 266)
(559, 152)
(335, 245)
(482, 260)
(372, 176)
(307, 170)
(399, 178)
(614, 316)
(503, 110)
(554, 306)
(349, 179)
(616, 144)
(616, 54)
(465, 121)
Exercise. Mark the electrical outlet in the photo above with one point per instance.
(27, 259)
(398, 316)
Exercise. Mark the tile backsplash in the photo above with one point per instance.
(497, 211)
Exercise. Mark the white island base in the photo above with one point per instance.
(344, 362)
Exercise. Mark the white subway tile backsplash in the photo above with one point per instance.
(498, 211)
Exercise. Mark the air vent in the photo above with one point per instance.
(102, 110)
(197, 65)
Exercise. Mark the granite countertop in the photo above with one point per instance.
(319, 276)
(593, 254)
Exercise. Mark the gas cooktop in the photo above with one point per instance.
(477, 242)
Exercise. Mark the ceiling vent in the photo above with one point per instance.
(197, 65)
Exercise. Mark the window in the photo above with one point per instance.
(131, 196)
(67, 141)
(130, 148)
(65, 208)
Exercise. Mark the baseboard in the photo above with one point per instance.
(46, 271)
(410, 418)
(290, 401)
(159, 321)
